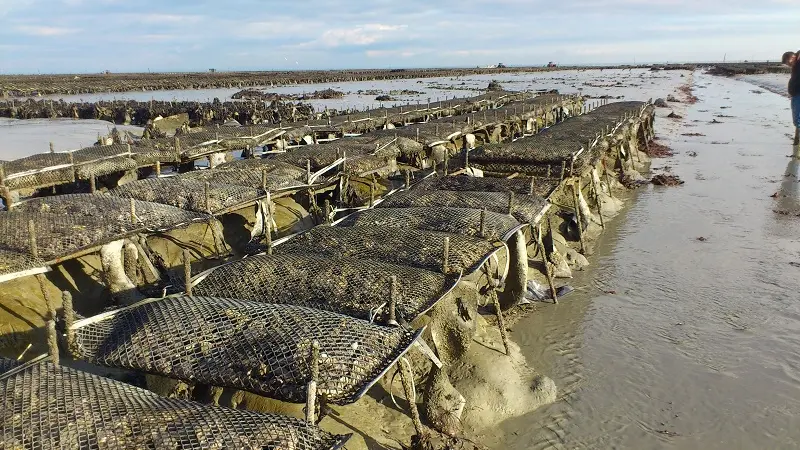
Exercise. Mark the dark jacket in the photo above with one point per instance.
(794, 81)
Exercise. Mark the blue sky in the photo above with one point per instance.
(50, 36)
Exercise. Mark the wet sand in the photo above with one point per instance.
(672, 341)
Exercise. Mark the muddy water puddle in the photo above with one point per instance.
(685, 331)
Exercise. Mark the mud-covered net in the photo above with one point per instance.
(258, 165)
(524, 208)
(67, 224)
(193, 195)
(450, 220)
(105, 167)
(321, 156)
(409, 247)
(555, 146)
(49, 407)
(45, 169)
(254, 346)
(542, 187)
(350, 286)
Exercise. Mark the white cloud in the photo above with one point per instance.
(41, 30)
(358, 35)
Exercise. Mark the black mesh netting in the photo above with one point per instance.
(524, 208)
(194, 195)
(555, 145)
(66, 224)
(450, 220)
(254, 346)
(408, 246)
(49, 407)
(258, 165)
(542, 187)
(346, 285)
(12, 262)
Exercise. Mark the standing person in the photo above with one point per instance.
(790, 59)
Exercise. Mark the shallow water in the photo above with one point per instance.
(22, 138)
(25, 137)
(697, 348)
(773, 82)
(440, 88)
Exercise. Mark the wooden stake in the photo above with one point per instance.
(597, 198)
(392, 320)
(482, 229)
(406, 377)
(575, 189)
(92, 184)
(311, 390)
(52, 343)
(446, 255)
(187, 271)
(510, 202)
(133, 210)
(547, 270)
(69, 318)
(52, 149)
(501, 323)
(308, 171)
(158, 169)
(32, 239)
(207, 196)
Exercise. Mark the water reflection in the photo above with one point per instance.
(788, 196)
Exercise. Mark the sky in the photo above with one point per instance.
(86, 36)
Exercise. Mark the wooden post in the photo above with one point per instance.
(52, 343)
(446, 160)
(575, 189)
(372, 193)
(32, 239)
(482, 229)
(92, 184)
(446, 255)
(133, 210)
(187, 271)
(308, 171)
(392, 320)
(532, 188)
(501, 324)
(158, 169)
(408, 179)
(311, 389)
(597, 198)
(72, 165)
(406, 377)
(52, 149)
(547, 269)
(69, 318)
(466, 158)
(264, 180)
(268, 230)
(207, 197)
(563, 169)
